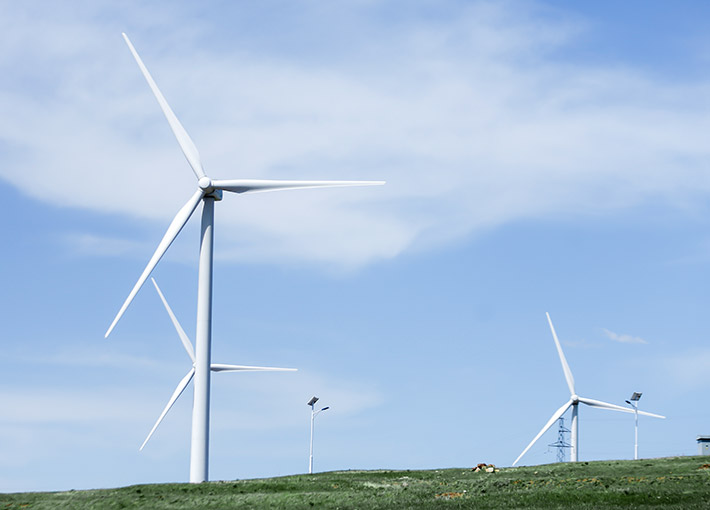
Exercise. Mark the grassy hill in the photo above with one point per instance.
(679, 482)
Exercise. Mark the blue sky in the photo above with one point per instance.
(540, 157)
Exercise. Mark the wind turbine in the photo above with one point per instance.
(215, 367)
(208, 192)
(574, 402)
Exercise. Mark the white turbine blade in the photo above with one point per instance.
(173, 230)
(652, 415)
(563, 360)
(605, 405)
(181, 332)
(552, 420)
(614, 407)
(186, 143)
(217, 367)
(176, 394)
(256, 185)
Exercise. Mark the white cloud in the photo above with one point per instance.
(94, 358)
(271, 401)
(472, 122)
(624, 339)
(89, 244)
(54, 405)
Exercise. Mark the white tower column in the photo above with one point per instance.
(310, 457)
(574, 451)
(199, 447)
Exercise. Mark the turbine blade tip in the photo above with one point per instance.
(113, 325)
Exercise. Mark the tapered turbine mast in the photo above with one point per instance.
(208, 192)
(573, 402)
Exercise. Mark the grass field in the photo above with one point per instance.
(671, 483)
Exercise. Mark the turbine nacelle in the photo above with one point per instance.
(214, 193)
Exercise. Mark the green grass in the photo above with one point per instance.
(672, 483)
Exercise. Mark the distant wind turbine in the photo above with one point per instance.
(209, 190)
(573, 402)
(190, 352)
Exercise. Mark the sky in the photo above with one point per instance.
(540, 156)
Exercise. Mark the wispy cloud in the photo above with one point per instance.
(474, 122)
(57, 405)
(624, 339)
(691, 369)
(89, 244)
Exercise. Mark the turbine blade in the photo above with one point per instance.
(173, 230)
(181, 332)
(552, 420)
(604, 405)
(563, 360)
(186, 143)
(176, 394)
(614, 407)
(217, 367)
(652, 415)
(256, 185)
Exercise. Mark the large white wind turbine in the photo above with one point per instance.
(215, 367)
(573, 402)
(209, 190)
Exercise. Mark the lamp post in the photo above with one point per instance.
(314, 413)
(634, 402)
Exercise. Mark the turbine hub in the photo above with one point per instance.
(575, 399)
(204, 183)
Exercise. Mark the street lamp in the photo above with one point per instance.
(634, 402)
(314, 413)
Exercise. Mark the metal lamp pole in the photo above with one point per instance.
(314, 413)
(634, 402)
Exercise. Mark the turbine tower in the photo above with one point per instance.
(574, 402)
(208, 192)
(215, 367)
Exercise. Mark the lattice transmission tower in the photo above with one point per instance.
(561, 442)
